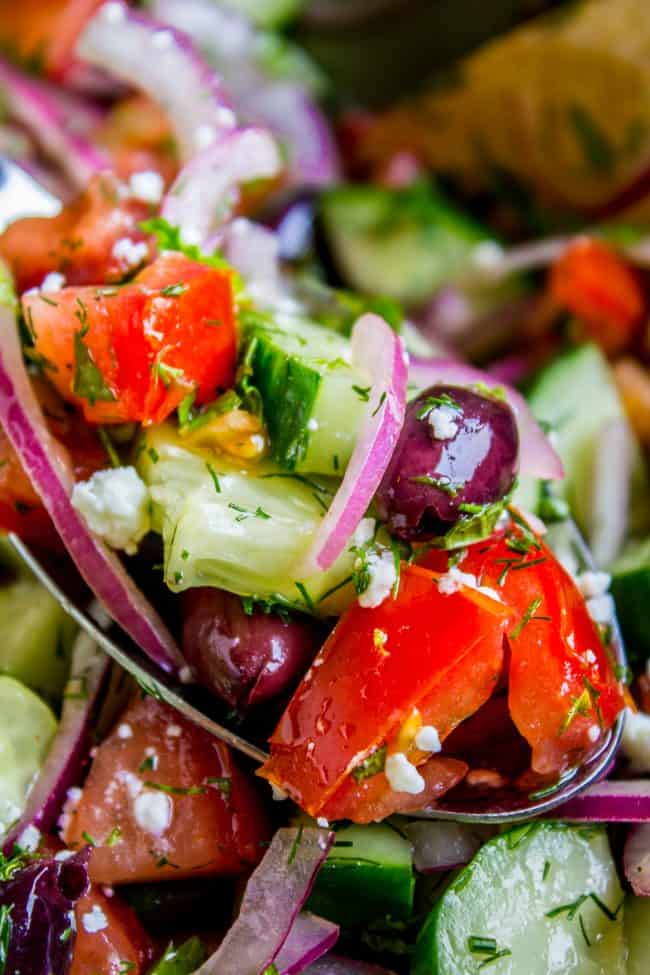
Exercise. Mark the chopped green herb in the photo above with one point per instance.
(6, 926)
(185, 555)
(504, 953)
(527, 617)
(432, 402)
(174, 290)
(126, 967)
(176, 790)
(223, 784)
(335, 462)
(215, 478)
(88, 382)
(372, 765)
(446, 486)
(482, 946)
(167, 374)
(183, 960)
(9, 866)
(48, 301)
(149, 764)
(114, 837)
(294, 846)
(309, 602)
(363, 392)
(109, 447)
(184, 411)
(580, 705)
(153, 454)
(382, 400)
(547, 869)
(88, 838)
(247, 513)
(594, 143)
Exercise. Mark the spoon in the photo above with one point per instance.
(20, 195)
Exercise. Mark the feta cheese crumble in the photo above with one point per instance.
(442, 420)
(115, 505)
(402, 775)
(453, 580)
(173, 731)
(124, 731)
(53, 282)
(147, 186)
(153, 812)
(130, 253)
(29, 839)
(593, 584)
(601, 609)
(382, 574)
(428, 739)
(279, 795)
(94, 920)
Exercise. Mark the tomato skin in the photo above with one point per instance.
(374, 669)
(557, 664)
(77, 243)
(107, 951)
(151, 347)
(596, 285)
(45, 30)
(208, 833)
(137, 134)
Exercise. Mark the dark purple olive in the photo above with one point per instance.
(457, 448)
(243, 658)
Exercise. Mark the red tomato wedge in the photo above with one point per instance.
(79, 242)
(164, 799)
(21, 510)
(133, 353)
(562, 690)
(109, 938)
(374, 669)
(45, 31)
(592, 282)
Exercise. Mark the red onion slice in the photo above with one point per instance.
(55, 124)
(163, 63)
(537, 457)
(309, 939)
(439, 845)
(636, 859)
(207, 188)
(381, 353)
(337, 965)
(63, 765)
(48, 470)
(274, 895)
(613, 801)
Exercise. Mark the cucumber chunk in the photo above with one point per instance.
(541, 898)
(576, 395)
(313, 399)
(401, 243)
(370, 878)
(26, 731)
(240, 530)
(631, 591)
(37, 635)
(636, 922)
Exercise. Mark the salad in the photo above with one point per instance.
(339, 409)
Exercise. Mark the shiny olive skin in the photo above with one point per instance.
(430, 477)
(243, 658)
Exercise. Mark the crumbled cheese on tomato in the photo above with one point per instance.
(402, 775)
(147, 186)
(279, 795)
(94, 920)
(601, 609)
(153, 812)
(593, 734)
(173, 731)
(115, 505)
(130, 253)
(453, 580)
(593, 584)
(383, 575)
(635, 741)
(322, 822)
(124, 731)
(52, 282)
(186, 675)
(29, 839)
(428, 739)
(442, 420)
(72, 798)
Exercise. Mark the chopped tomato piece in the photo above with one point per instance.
(376, 667)
(596, 285)
(21, 510)
(109, 937)
(44, 32)
(79, 242)
(563, 693)
(138, 136)
(165, 799)
(134, 353)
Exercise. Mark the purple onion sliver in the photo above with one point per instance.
(636, 859)
(310, 938)
(66, 757)
(274, 896)
(624, 801)
(44, 463)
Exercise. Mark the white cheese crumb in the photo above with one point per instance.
(402, 775)
(454, 579)
(594, 733)
(173, 731)
(590, 656)
(52, 282)
(107, 891)
(428, 739)
(279, 795)
(488, 255)
(148, 186)
(312, 424)
(115, 505)
(130, 253)
(125, 731)
(153, 812)
(601, 609)
(94, 920)
(635, 741)
(29, 839)
(63, 855)
(593, 584)
(131, 782)
(381, 570)
(442, 421)
(72, 798)
(322, 822)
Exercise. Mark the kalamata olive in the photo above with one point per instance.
(457, 448)
(243, 658)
